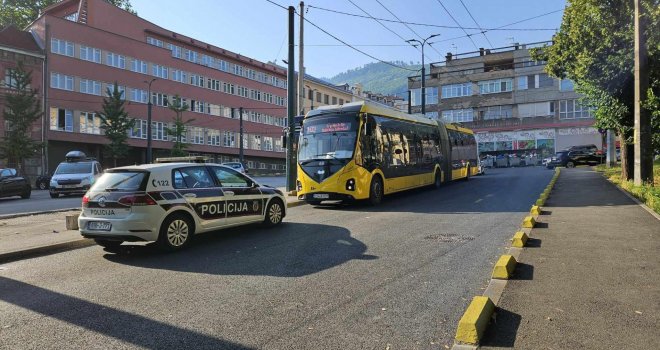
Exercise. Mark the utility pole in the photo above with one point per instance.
(149, 150)
(643, 167)
(301, 66)
(291, 106)
(422, 43)
(240, 132)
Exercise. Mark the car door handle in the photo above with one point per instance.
(190, 195)
(228, 193)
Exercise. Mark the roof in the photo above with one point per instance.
(372, 107)
(15, 38)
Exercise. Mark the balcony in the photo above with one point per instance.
(526, 123)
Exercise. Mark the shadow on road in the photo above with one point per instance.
(134, 329)
(502, 331)
(288, 250)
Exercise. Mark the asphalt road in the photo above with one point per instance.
(41, 201)
(397, 276)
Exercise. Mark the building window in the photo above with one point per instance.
(431, 95)
(91, 87)
(458, 115)
(213, 137)
(268, 143)
(115, 60)
(456, 90)
(72, 17)
(496, 112)
(539, 109)
(90, 123)
(569, 109)
(139, 130)
(159, 71)
(326, 99)
(159, 99)
(158, 131)
(90, 54)
(318, 97)
(545, 81)
(566, 85)
(341, 101)
(228, 88)
(310, 95)
(155, 42)
(139, 66)
(10, 79)
(138, 95)
(61, 47)
(522, 83)
(334, 100)
(61, 119)
(494, 86)
(229, 139)
(196, 135)
(61, 81)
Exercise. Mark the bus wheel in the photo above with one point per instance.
(376, 191)
(438, 180)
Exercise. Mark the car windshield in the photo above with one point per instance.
(331, 137)
(120, 181)
(74, 168)
(559, 154)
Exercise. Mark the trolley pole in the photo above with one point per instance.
(291, 106)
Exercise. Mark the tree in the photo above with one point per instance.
(178, 106)
(115, 123)
(594, 47)
(21, 13)
(22, 109)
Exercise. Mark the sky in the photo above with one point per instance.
(258, 28)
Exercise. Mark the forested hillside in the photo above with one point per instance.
(379, 77)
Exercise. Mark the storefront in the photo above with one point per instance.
(544, 142)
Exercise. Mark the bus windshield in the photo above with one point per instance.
(327, 137)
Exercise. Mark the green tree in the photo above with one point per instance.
(21, 13)
(22, 110)
(595, 48)
(178, 130)
(115, 123)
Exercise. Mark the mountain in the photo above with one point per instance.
(379, 77)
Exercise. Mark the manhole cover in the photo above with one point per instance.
(449, 237)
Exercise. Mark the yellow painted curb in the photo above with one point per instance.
(473, 324)
(519, 239)
(504, 267)
(540, 202)
(528, 222)
(535, 211)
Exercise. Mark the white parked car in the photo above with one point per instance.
(169, 203)
(238, 166)
(75, 175)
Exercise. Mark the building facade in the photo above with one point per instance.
(320, 93)
(508, 100)
(91, 44)
(19, 46)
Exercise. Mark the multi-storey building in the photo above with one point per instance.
(91, 44)
(508, 100)
(320, 93)
(19, 46)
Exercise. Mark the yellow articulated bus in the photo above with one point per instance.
(364, 151)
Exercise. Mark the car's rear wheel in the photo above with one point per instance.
(43, 185)
(274, 213)
(376, 191)
(54, 195)
(106, 243)
(176, 232)
(570, 164)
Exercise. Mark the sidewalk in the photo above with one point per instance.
(591, 280)
(32, 235)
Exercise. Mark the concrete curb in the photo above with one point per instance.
(18, 215)
(469, 334)
(45, 250)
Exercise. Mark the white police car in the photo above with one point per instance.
(169, 203)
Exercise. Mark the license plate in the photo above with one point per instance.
(99, 226)
(321, 196)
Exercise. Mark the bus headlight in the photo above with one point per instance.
(298, 185)
(350, 185)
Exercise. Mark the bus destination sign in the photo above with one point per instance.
(328, 127)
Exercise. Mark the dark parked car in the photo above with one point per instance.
(570, 159)
(13, 185)
(43, 181)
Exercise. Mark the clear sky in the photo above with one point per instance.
(258, 29)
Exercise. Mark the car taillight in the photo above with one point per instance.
(137, 200)
(85, 200)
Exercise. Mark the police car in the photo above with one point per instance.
(168, 203)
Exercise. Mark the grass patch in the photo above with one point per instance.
(649, 195)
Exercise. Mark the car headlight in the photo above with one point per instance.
(53, 183)
(91, 180)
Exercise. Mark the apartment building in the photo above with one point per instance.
(19, 46)
(508, 100)
(321, 93)
(91, 44)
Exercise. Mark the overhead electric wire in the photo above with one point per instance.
(475, 22)
(345, 43)
(443, 26)
(407, 26)
(455, 21)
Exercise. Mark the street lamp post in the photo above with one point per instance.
(422, 43)
(149, 150)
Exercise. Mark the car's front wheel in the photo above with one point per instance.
(274, 213)
(26, 194)
(570, 164)
(176, 232)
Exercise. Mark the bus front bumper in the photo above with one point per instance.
(325, 196)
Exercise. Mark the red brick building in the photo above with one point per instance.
(90, 44)
(19, 46)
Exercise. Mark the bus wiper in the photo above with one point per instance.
(314, 159)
